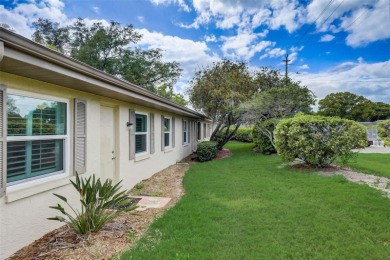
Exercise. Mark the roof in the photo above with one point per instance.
(23, 57)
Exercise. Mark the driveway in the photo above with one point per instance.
(373, 149)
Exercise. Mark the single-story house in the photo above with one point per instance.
(59, 116)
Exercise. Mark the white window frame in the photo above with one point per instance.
(142, 133)
(185, 131)
(66, 138)
(168, 132)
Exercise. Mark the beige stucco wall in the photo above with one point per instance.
(24, 209)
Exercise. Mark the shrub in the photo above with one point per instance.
(100, 203)
(243, 135)
(206, 151)
(386, 140)
(384, 128)
(318, 140)
(261, 141)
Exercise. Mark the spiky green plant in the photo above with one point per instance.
(100, 203)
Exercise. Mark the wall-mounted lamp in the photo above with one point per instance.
(129, 125)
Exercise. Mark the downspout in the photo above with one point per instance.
(1, 51)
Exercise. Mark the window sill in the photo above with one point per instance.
(168, 150)
(186, 144)
(30, 188)
(141, 157)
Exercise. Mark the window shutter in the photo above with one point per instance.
(162, 134)
(3, 141)
(151, 133)
(189, 131)
(173, 132)
(182, 134)
(80, 151)
(132, 134)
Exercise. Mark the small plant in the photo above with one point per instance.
(140, 186)
(100, 203)
(206, 151)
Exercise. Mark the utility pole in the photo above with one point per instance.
(286, 60)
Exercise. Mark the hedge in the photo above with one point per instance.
(318, 140)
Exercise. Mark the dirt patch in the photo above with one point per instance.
(118, 235)
(379, 183)
(224, 153)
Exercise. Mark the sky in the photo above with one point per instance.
(333, 45)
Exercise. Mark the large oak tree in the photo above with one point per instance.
(107, 48)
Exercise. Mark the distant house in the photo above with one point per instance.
(59, 116)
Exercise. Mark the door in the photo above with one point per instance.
(107, 143)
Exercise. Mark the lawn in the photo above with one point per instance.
(374, 163)
(249, 207)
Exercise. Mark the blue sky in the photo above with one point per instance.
(334, 45)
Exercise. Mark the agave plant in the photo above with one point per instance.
(100, 203)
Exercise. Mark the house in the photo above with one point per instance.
(59, 116)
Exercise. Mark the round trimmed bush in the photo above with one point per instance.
(206, 151)
(384, 128)
(261, 141)
(318, 140)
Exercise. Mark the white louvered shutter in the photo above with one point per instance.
(80, 150)
(132, 134)
(3, 141)
(162, 134)
(173, 132)
(151, 131)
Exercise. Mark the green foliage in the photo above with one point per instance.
(100, 203)
(166, 91)
(351, 106)
(107, 48)
(217, 91)
(243, 134)
(384, 128)
(261, 136)
(206, 151)
(386, 141)
(318, 140)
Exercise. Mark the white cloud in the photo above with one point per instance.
(96, 9)
(23, 15)
(141, 19)
(190, 54)
(327, 38)
(273, 53)
(364, 21)
(368, 25)
(183, 6)
(303, 67)
(244, 45)
(210, 38)
(371, 80)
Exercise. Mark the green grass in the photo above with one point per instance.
(371, 163)
(248, 207)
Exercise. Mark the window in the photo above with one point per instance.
(204, 131)
(185, 132)
(36, 135)
(141, 133)
(167, 132)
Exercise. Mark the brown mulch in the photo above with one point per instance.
(121, 233)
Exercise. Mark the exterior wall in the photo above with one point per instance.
(25, 206)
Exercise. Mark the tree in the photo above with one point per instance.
(276, 103)
(346, 105)
(217, 91)
(166, 91)
(107, 48)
